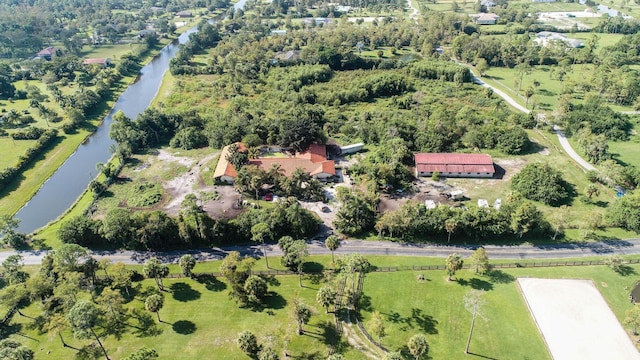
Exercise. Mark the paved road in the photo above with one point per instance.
(561, 136)
(372, 248)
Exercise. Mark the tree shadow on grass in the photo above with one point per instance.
(424, 322)
(271, 280)
(184, 327)
(417, 320)
(183, 292)
(500, 277)
(625, 270)
(328, 333)
(275, 301)
(364, 303)
(145, 324)
(480, 284)
(210, 282)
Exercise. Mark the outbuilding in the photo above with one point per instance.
(454, 165)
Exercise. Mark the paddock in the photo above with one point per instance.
(575, 320)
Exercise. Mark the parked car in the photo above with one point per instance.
(268, 197)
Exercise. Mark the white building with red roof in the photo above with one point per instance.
(454, 165)
(313, 161)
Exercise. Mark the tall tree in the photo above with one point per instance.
(12, 269)
(301, 314)
(155, 269)
(248, 343)
(259, 232)
(376, 326)
(13, 350)
(187, 263)
(68, 256)
(453, 263)
(632, 318)
(326, 297)
(154, 303)
(83, 317)
(418, 345)
(480, 261)
(332, 243)
(473, 302)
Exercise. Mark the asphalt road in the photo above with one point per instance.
(516, 252)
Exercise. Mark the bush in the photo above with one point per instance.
(540, 182)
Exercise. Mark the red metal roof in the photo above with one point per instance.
(454, 163)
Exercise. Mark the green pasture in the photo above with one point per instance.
(435, 307)
(198, 320)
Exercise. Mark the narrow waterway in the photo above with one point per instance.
(64, 187)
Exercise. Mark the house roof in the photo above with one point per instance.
(47, 52)
(454, 162)
(99, 61)
(314, 161)
(488, 17)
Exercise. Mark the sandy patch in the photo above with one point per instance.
(575, 320)
(179, 187)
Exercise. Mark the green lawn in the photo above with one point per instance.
(435, 308)
(199, 320)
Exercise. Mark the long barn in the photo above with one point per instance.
(454, 165)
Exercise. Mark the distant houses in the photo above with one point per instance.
(485, 18)
(313, 161)
(547, 38)
(47, 54)
(287, 56)
(102, 62)
(184, 14)
(454, 165)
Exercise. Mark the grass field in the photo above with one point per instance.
(435, 308)
(199, 319)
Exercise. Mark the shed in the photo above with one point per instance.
(454, 165)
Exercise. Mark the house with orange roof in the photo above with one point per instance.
(313, 161)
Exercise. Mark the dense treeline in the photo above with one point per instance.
(440, 70)
(599, 119)
(414, 221)
(120, 228)
(41, 23)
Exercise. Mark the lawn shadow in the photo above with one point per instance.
(500, 277)
(480, 284)
(364, 303)
(184, 327)
(481, 356)
(183, 292)
(424, 322)
(275, 301)
(146, 326)
(312, 267)
(328, 332)
(210, 282)
(271, 280)
(625, 270)
(417, 320)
